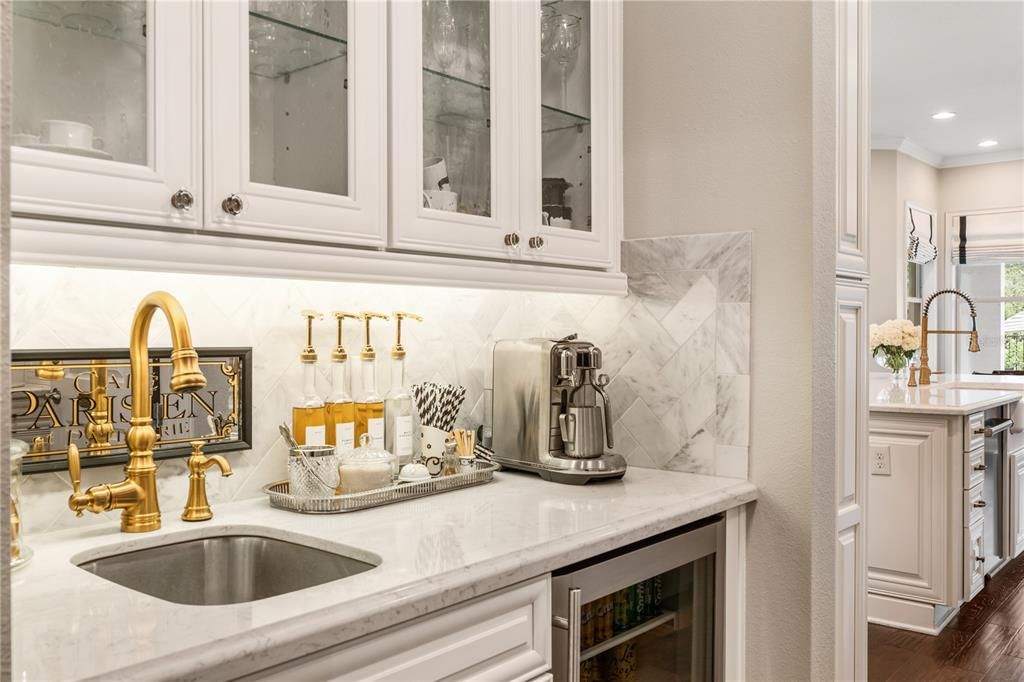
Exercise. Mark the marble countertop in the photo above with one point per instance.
(947, 394)
(436, 551)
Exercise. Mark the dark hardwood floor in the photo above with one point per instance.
(984, 641)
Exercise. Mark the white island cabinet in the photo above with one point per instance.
(480, 130)
(944, 498)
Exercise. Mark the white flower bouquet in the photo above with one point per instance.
(894, 342)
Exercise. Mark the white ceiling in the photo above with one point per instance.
(965, 56)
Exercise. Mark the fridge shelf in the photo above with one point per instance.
(626, 635)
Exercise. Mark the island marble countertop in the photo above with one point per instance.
(950, 395)
(436, 551)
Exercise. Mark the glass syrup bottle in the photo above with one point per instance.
(398, 409)
(308, 417)
(369, 403)
(340, 410)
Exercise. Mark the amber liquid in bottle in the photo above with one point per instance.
(308, 418)
(305, 418)
(370, 406)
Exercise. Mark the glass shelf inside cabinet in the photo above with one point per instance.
(461, 103)
(553, 119)
(278, 47)
(119, 21)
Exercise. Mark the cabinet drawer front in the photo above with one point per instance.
(974, 468)
(503, 636)
(974, 505)
(972, 440)
(974, 559)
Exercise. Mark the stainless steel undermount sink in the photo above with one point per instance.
(226, 569)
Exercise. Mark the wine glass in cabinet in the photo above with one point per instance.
(296, 102)
(105, 111)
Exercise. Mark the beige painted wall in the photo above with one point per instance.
(884, 237)
(896, 179)
(718, 138)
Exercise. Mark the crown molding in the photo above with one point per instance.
(982, 158)
(908, 147)
(912, 149)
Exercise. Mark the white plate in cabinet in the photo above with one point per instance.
(502, 636)
(296, 125)
(974, 559)
(143, 149)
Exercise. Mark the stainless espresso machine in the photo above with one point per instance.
(551, 413)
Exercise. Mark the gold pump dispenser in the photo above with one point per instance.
(309, 425)
(340, 409)
(398, 405)
(369, 404)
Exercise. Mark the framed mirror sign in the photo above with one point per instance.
(85, 397)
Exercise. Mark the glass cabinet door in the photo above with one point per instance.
(453, 125)
(103, 110)
(573, 112)
(297, 114)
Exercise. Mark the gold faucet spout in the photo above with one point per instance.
(972, 347)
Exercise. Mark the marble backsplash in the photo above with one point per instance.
(676, 347)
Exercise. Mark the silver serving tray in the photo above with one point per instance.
(280, 497)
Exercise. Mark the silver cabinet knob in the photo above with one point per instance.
(979, 503)
(182, 200)
(512, 239)
(536, 242)
(980, 467)
(232, 205)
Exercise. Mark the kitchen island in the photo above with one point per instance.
(434, 553)
(945, 491)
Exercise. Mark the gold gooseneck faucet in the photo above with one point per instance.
(973, 347)
(136, 496)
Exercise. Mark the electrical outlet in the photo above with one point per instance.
(881, 461)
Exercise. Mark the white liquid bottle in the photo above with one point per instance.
(398, 408)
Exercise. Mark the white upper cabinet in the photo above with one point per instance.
(506, 128)
(480, 129)
(296, 136)
(453, 126)
(570, 139)
(106, 111)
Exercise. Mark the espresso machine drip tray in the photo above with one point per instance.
(572, 471)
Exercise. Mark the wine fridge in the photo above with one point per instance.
(648, 612)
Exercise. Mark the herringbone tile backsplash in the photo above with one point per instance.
(677, 349)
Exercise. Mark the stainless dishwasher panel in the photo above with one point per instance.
(677, 638)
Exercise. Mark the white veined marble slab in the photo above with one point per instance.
(436, 551)
(953, 395)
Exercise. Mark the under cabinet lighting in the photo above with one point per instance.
(988, 143)
(943, 115)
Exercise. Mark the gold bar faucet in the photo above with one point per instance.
(136, 495)
(972, 346)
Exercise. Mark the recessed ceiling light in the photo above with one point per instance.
(988, 143)
(943, 115)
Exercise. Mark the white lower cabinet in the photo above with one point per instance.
(502, 636)
(974, 558)
(1016, 471)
